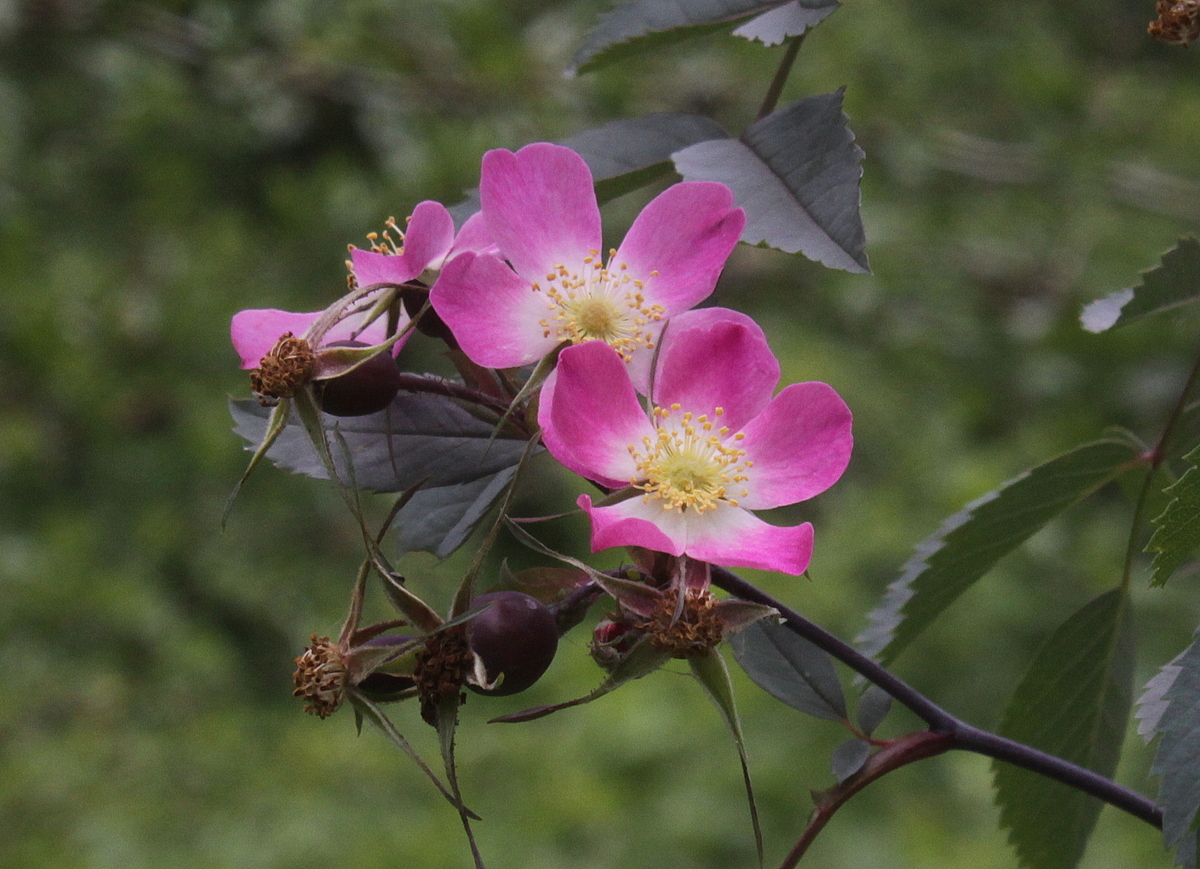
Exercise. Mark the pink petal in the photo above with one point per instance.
(799, 444)
(733, 537)
(716, 358)
(428, 237)
(623, 525)
(539, 207)
(685, 234)
(256, 330)
(592, 415)
(473, 237)
(491, 311)
(372, 268)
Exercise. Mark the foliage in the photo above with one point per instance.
(205, 158)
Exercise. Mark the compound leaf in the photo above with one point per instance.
(1074, 703)
(784, 22)
(1178, 533)
(796, 173)
(640, 25)
(791, 669)
(1175, 717)
(1174, 283)
(971, 541)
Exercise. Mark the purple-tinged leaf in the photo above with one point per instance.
(784, 22)
(790, 669)
(440, 519)
(971, 541)
(626, 154)
(640, 25)
(796, 173)
(848, 758)
(873, 706)
(1176, 282)
(1074, 703)
(632, 152)
(419, 439)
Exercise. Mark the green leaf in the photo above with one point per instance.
(1178, 533)
(1074, 703)
(796, 173)
(710, 671)
(640, 25)
(971, 541)
(791, 669)
(784, 22)
(1176, 760)
(1176, 282)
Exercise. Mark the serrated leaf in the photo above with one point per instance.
(873, 707)
(791, 669)
(848, 758)
(419, 439)
(796, 173)
(1074, 703)
(1177, 534)
(1153, 702)
(1176, 282)
(971, 541)
(640, 25)
(1177, 759)
(784, 22)
(710, 671)
(631, 152)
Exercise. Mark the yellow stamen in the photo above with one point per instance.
(598, 302)
(690, 463)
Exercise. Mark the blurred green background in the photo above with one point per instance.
(163, 165)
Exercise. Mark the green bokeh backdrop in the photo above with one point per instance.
(164, 164)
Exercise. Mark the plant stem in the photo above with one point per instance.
(781, 75)
(960, 734)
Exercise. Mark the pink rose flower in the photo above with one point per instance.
(548, 282)
(716, 446)
(427, 243)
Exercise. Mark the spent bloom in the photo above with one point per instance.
(284, 348)
(547, 281)
(716, 445)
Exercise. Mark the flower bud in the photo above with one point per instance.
(515, 639)
(369, 388)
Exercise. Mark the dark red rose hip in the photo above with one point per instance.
(369, 388)
(515, 637)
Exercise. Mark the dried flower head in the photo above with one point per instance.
(285, 368)
(1178, 21)
(442, 670)
(686, 630)
(320, 677)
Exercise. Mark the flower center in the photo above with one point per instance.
(598, 302)
(287, 367)
(690, 463)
